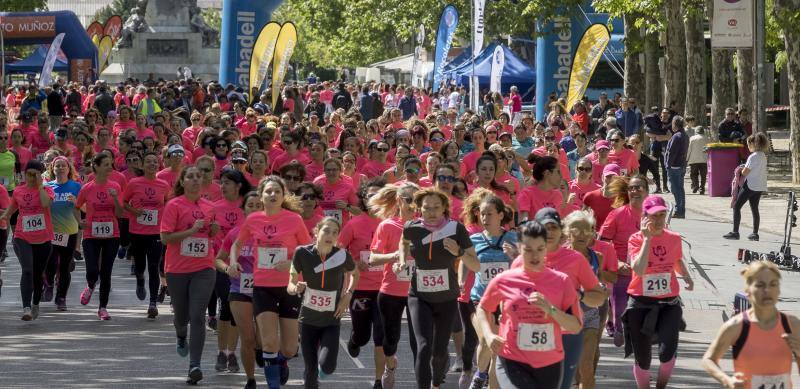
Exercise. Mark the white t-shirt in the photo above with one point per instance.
(454, 99)
(757, 178)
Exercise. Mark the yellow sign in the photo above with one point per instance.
(263, 51)
(104, 52)
(284, 48)
(590, 49)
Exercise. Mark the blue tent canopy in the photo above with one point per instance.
(515, 72)
(34, 62)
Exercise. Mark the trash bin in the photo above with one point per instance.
(722, 161)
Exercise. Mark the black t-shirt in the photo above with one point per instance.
(435, 278)
(323, 283)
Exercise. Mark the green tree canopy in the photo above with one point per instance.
(22, 5)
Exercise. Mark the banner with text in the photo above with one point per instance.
(498, 65)
(50, 61)
(284, 48)
(478, 26)
(104, 52)
(263, 51)
(733, 24)
(444, 38)
(242, 20)
(587, 56)
(113, 27)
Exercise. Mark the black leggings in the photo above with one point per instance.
(320, 348)
(433, 323)
(667, 329)
(3, 240)
(517, 375)
(366, 318)
(60, 260)
(33, 261)
(746, 195)
(391, 309)
(470, 336)
(100, 255)
(222, 289)
(146, 253)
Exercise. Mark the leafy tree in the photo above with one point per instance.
(117, 7)
(23, 5)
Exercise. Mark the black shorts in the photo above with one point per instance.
(241, 297)
(276, 299)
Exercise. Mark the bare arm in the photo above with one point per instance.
(175, 237)
(721, 344)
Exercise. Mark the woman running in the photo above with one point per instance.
(763, 339)
(186, 229)
(544, 192)
(65, 228)
(356, 237)
(275, 233)
(240, 272)
(32, 235)
(528, 340)
(395, 206)
(655, 254)
(100, 200)
(329, 278)
(435, 242)
(145, 198)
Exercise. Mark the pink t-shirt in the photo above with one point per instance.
(275, 238)
(284, 159)
(212, 192)
(101, 219)
(33, 223)
(356, 237)
(626, 159)
(169, 176)
(387, 240)
(193, 253)
(39, 144)
(145, 133)
(618, 227)
(312, 221)
(610, 262)
(228, 214)
(581, 189)
(314, 170)
(575, 265)
(374, 168)
(469, 163)
(659, 279)
(150, 196)
(532, 199)
(599, 204)
(340, 190)
(5, 202)
(542, 345)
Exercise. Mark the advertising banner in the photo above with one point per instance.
(263, 51)
(733, 24)
(284, 48)
(587, 56)
(444, 38)
(50, 61)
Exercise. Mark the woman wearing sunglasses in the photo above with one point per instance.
(292, 143)
(221, 154)
(310, 195)
(209, 189)
(376, 165)
(257, 166)
(626, 158)
(339, 198)
(349, 160)
(432, 162)
(583, 182)
(293, 175)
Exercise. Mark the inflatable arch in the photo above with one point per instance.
(30, 28)
(242, 20)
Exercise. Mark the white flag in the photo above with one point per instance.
(50, 61)
(498, 62)
(478, 6)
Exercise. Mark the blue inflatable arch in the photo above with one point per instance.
(30, 28)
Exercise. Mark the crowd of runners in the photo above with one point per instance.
(523, 241)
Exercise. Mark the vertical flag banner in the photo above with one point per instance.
(242, 20)
(263, 51)
(113, 27)
(50, 60)
(587, 55)
(498, 63)
(284, 48)
(95, 28)
(96, 40)
(733, 24)
(415, 82)
(444, 38)
(104, 52)
(477, 24)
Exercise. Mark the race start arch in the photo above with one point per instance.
(31, 28)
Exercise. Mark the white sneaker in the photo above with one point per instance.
(26, 314)
(35, 311)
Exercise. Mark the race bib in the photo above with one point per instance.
(334, 213)
(102, 229)
(194, 247)
(4, 181)
(365, 258)
(536, 337)
(60, 239)
(490, 270)
(246, 283)
(148, 217)
(405, 274)
(269, 257)
(432, 280)
(319, 300)
(782, 381)
(33, 223)
(658, 284)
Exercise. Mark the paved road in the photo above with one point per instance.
(74, 349)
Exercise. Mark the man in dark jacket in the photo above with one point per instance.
(367, 106)
(408, 104)
(74, 99)
(657, 127)
(675, 159)
(598, 113)
(315, 106)
(730, 130)
(342, 99)
(103, 101)
(55, 107)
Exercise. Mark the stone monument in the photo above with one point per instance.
(161, 36)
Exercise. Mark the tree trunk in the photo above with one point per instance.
(745, 79)
(695, 66)
(634, 84)
(786, 11)
(652, 76)
(675, 75)
(722, 79)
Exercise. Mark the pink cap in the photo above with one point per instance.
(612, 169)
(653, 204)
(602, 144)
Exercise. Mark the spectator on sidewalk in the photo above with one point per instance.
(675, 160)
(730, 130)
(754, 184)
(698, 160)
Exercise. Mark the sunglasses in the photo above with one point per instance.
(206, 170)
(412, 170)
(3, 137)
(616, 140)
(221, 145)
(132, 160)
(635, 188)
(491, 132)
(437, 139)
(287, 141)
(308, 196)
(382, 149)
(549, 138)
(443, 178)
(584, 169)
(292, 178)
(239, 161)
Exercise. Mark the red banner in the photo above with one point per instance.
(80, 71)
(29, 26)
(113, 27)
(95, 29)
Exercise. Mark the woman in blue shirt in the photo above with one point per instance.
(65, 218)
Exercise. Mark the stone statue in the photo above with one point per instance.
(210, 35)
(135, 23)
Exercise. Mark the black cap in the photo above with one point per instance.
(35, 165)
(548, 215)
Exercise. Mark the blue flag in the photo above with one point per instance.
(444, 38)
